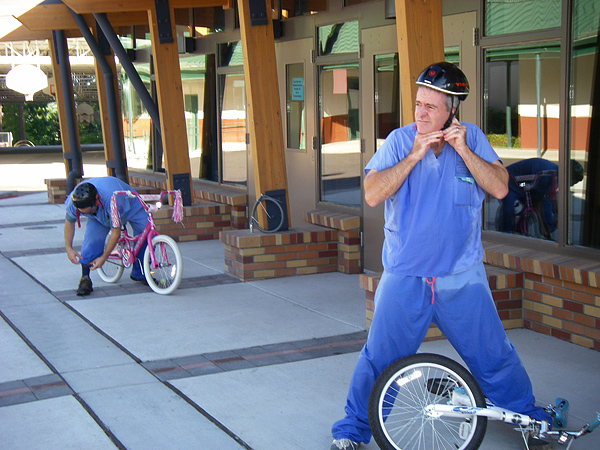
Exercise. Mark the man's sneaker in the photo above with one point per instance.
(344, 444)
(85, 286)
(141, 280)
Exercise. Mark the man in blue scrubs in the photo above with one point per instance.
(433, 176)
(91, 198)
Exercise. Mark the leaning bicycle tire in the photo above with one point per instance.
(112, 269)
(398, 399)
(165, 278)
(262, 202)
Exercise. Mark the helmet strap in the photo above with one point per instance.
(451, 117)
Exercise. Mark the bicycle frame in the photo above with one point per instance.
(525, 423)
(149, 230)
(145, 236)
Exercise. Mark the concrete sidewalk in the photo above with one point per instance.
(220, 364)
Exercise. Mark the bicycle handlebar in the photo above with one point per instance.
(594, 423)
(177, 204)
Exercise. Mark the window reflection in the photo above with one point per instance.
(522, 86)
(387, 96)
(296, 136)
(584, 127)
(233, 128)
(340, 134)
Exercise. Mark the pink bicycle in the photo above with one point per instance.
(163, 266)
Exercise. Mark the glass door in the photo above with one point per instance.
(340, 149)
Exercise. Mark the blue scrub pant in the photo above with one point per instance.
(463, 309)
(95, 237)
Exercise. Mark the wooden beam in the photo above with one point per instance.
(264, 115)
(57, 17)
(170, 102)
(106, 6)
(25, 34)
(420, 43)
(48, 17)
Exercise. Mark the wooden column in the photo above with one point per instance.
(262, 94)
(420, 43)
(170, 105)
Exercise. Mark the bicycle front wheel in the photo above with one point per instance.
(112, 269)
(398, 399)
(166, 276)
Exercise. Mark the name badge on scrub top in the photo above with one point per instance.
(463, 184)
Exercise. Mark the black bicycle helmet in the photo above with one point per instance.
(445, 77)
(84, 195)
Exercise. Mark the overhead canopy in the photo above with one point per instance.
(31, 19)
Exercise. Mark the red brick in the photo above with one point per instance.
(563, 335)
(573, 306)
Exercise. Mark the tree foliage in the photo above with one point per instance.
(42, 126)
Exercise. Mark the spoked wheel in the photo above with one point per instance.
(399, 396)
(165, 278)
(273, 212)
(533, 224)
(112, 269)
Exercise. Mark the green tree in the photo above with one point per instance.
(41, 122)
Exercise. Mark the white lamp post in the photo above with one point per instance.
(27, 80)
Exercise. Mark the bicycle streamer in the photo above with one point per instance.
(177, 215)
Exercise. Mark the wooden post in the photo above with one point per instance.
(420, 43)
(262, 93)
(170, 105)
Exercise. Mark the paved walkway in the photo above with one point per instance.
(220, 364)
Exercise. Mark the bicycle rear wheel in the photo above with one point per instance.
(273, 212)
(166, 276)
(399, 396)
(112, 269)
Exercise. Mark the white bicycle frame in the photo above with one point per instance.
(491, 412)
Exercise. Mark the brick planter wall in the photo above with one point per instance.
(254, 256)
(201, 221)
(561, 295)
(348, 228)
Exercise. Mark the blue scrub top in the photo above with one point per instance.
(433, 222)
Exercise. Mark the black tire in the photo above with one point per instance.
(399, 396)
(272, 209)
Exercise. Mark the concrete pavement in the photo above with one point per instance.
(220, 364)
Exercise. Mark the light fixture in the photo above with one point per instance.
(27, 80)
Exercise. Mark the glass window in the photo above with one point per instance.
(503, 17)
(233, 129)
(521, 95)
(198, 81)
(296, 136)
(338, 38)
(584, 127)
(137, 125)
(340, 156)
(230, 54)
(387, 96)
